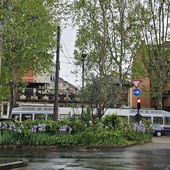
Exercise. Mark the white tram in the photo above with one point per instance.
(41, 112)
(44, 112)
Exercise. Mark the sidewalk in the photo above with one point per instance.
(162, 139)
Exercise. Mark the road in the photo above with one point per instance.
(148, 156)
(163, 139)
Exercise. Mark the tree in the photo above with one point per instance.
(153, 23)
(107, 34)
(100, 94)
(28, 38)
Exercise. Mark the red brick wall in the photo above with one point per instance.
(28, 77)
(144, 87)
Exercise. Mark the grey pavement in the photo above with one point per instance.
(153, 155)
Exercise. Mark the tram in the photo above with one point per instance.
(41, 112)
(44, 112)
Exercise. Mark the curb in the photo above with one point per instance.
(12, 163)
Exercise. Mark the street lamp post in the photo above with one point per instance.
(83, 60)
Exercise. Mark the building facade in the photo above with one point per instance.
(139, 72)
(40, 89)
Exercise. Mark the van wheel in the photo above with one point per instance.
(158, 133)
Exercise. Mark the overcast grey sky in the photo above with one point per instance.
(66, 57)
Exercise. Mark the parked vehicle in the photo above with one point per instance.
(158, 130)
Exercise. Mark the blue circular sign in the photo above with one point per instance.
(136, 92)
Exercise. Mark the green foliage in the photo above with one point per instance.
(86, 117)
(152, 59)
(110, 43)
(52, 127)
(80, 122)
(27, 40)
(138, 136)
(139, 69)
(111, 121)
(112, 131)
(105, 138)
(100, 92)
(5, 138)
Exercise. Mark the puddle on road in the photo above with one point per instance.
(142, 157)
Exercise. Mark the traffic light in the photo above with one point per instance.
(138, 104)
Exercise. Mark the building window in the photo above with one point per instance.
(40, 97)
(28, 97)
(52, 78)
(29, 91)
(61, 98)
(5, 108)
(51, 98)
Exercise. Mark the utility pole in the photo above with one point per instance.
(57, 64)
(83, 59)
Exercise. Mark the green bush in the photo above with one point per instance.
(110, 132)
(111, 121)
(52, 127)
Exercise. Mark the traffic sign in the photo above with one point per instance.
(138, 117)
(136, 92)
(136, 83)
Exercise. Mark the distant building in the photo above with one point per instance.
(40, 89)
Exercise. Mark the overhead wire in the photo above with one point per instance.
(67, 53)
(68, 59)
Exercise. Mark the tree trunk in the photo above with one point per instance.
(12, 96)
(159, 100)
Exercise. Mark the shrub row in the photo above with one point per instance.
(110, 131)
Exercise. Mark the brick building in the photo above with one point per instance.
(139, 73)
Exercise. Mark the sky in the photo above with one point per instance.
(67, 66)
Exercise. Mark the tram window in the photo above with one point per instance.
(132, 119)
(39, 117)
(63, 116)
(158, 120)
(167, 120)
(124, 118)
(16, 116)
(146, 119)
(26, 117)
(49, 117)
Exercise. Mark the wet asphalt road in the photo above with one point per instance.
(149, 156)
